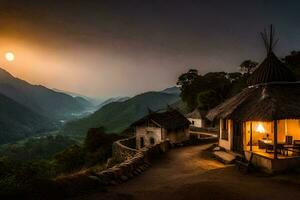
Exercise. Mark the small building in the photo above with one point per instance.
(264, 119)
(158, 127)
(197, 118)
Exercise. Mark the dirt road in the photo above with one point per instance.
(189, 173)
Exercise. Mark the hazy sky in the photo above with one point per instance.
(112, 48)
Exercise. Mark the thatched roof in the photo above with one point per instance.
(170, 120)
(271, 70)
(196, 114)
(263, 102)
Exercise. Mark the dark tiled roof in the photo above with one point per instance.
(271, 70)
(171, 119)
(263, 102)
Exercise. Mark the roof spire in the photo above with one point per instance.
(269, 39)
(271, 69)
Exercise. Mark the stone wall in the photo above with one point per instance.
(132, 162)
(124, 149)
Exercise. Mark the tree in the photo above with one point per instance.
(235, 76)
(70, 159)
(187, 87)
(292, 61)
(238, 82)
(187, 79)
(207, 99)
(209, 90)
(25, 179)
(98, 145)
(248, 66)
(217, 86)
(95, 139)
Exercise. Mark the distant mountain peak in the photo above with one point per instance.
(172, 90)
(4, 73)
(117, 116)
(113, 99)
(39, 98)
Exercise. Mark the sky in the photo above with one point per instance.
(122, 48)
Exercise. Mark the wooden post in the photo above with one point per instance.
(250, 136)
(275, 139)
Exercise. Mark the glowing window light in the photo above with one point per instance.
(260, 129)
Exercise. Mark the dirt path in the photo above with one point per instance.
(189, 173)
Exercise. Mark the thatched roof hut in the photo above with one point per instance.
(264, 117)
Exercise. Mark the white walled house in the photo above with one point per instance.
(197, 118)
(159, 127)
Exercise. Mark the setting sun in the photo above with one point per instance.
(9, 56)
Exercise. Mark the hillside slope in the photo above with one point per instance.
(117, 116)
(18, 122)
(83, 102)
(38, 98)
(172, 90)
(111, 100)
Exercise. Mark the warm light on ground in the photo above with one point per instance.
(9, 56)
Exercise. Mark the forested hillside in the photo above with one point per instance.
(117, 116)
(18, 122)
(38, 98)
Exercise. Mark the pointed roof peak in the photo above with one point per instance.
(271, 69)
(269, 39)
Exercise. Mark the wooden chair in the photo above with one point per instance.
(296, 147)
(293, 147)
(243, 164)
(297, 142)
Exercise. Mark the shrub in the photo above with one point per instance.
(28, 178)
(70, 159)
(98, 145)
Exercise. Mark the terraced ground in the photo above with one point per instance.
(191, 173)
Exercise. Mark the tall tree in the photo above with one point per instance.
(187, 86)
(187, 79)
(209, 90)
(292, 61)
(248, 66)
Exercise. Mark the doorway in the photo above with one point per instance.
(142, 144)
(237, 137)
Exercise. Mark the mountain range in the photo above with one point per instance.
(18, 122)
(111, 100)
(27, 110)
(44, 101)
(89, 101)
(117, 116)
